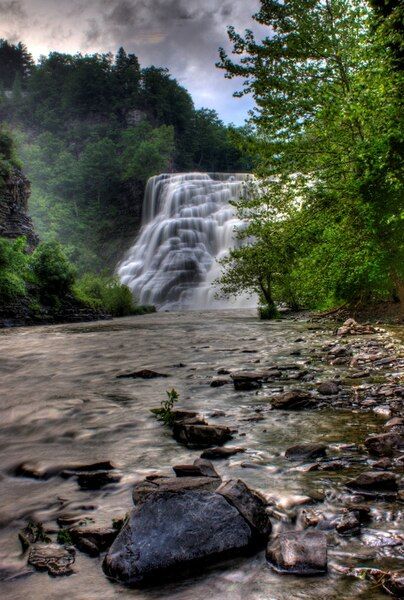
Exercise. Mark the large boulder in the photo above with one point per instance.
(294, 399)
(200, 436)
(298, 552)
(384, 444)
(249, 503)
(172, 531)
(148, 487)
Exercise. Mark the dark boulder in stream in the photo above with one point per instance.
(157, 485)
(249, 503)
(374, 483)
(295, 399)
(201, 436)
(299, 552)
(169, 532)
(306, 451)
(221, 453)
(384, 444)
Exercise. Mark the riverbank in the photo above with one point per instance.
(65, 405)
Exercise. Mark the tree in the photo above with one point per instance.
(14, 60)
(326, 110)
(146, 151)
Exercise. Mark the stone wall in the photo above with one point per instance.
(14, 219)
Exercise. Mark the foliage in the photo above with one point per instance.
(165, 412)
(13, 269)
(326, 227)
(15, 62)
(91, 129)
(64, 537)
(106, 293)
(51, 271)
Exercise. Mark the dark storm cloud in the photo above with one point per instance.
(12, 8)
(183, 35)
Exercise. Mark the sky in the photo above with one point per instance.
(183, 35)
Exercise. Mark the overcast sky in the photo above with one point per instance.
(183, 35)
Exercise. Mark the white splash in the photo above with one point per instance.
(187, 226)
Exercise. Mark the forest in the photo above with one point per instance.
(90, 130)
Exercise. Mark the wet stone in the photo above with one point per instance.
(295, 399)
(306, 451)
(349, 524)
(374, 482)
(92, 539)
(249, 503)
(384, 444)
(221, 453)
(143, 489)
(298, 553)
(95, 480)
(201, 467)
(170, 532)
(200, 436)
(142, 374)
(328, 388)
(56, 560)
(219, 381)
(248, 380)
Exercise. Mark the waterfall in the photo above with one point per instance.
(187, 226)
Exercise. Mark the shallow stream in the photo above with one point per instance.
(62, 404)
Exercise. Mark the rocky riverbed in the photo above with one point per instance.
(287, 433)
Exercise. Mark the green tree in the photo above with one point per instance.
(326, 110)
(146, 151)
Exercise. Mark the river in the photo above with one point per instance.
(62, 403)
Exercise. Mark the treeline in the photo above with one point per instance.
(326, 228)
(90, 131)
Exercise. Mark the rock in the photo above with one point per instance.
(178, 415)
(384, 444)
(339, 350)
(332, 465)
(74, 470)
(201, 467)
(143, 489)
(383, 464)
(201, 435)
(328, 388)
(306, 451)
(361, 511)
(250, 504)
(223, 371)
(374, 482)
(55, 559)
(219, 453)
(310, 518)
(32, 470)
(348, 524)
(295, 399)
(172, 531)
(298, 552)
(219, 381)
(351, 327)
(395, 423)
(248, 380)
(95, 480)
(142, 374)
(92, 539)
(35, 470)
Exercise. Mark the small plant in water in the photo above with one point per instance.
(64, 537)
(164, 413)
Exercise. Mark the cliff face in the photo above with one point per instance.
(14, 219)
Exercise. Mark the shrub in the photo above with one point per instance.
(51, 271)
(164, 413)
(266, 312)
(106, 293)
(13, 268)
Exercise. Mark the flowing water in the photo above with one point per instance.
(62, 404)
(188, 225)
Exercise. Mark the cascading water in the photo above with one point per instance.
(187, 226)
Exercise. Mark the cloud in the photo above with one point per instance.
(183, 35)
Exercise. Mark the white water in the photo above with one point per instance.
(187, 226)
